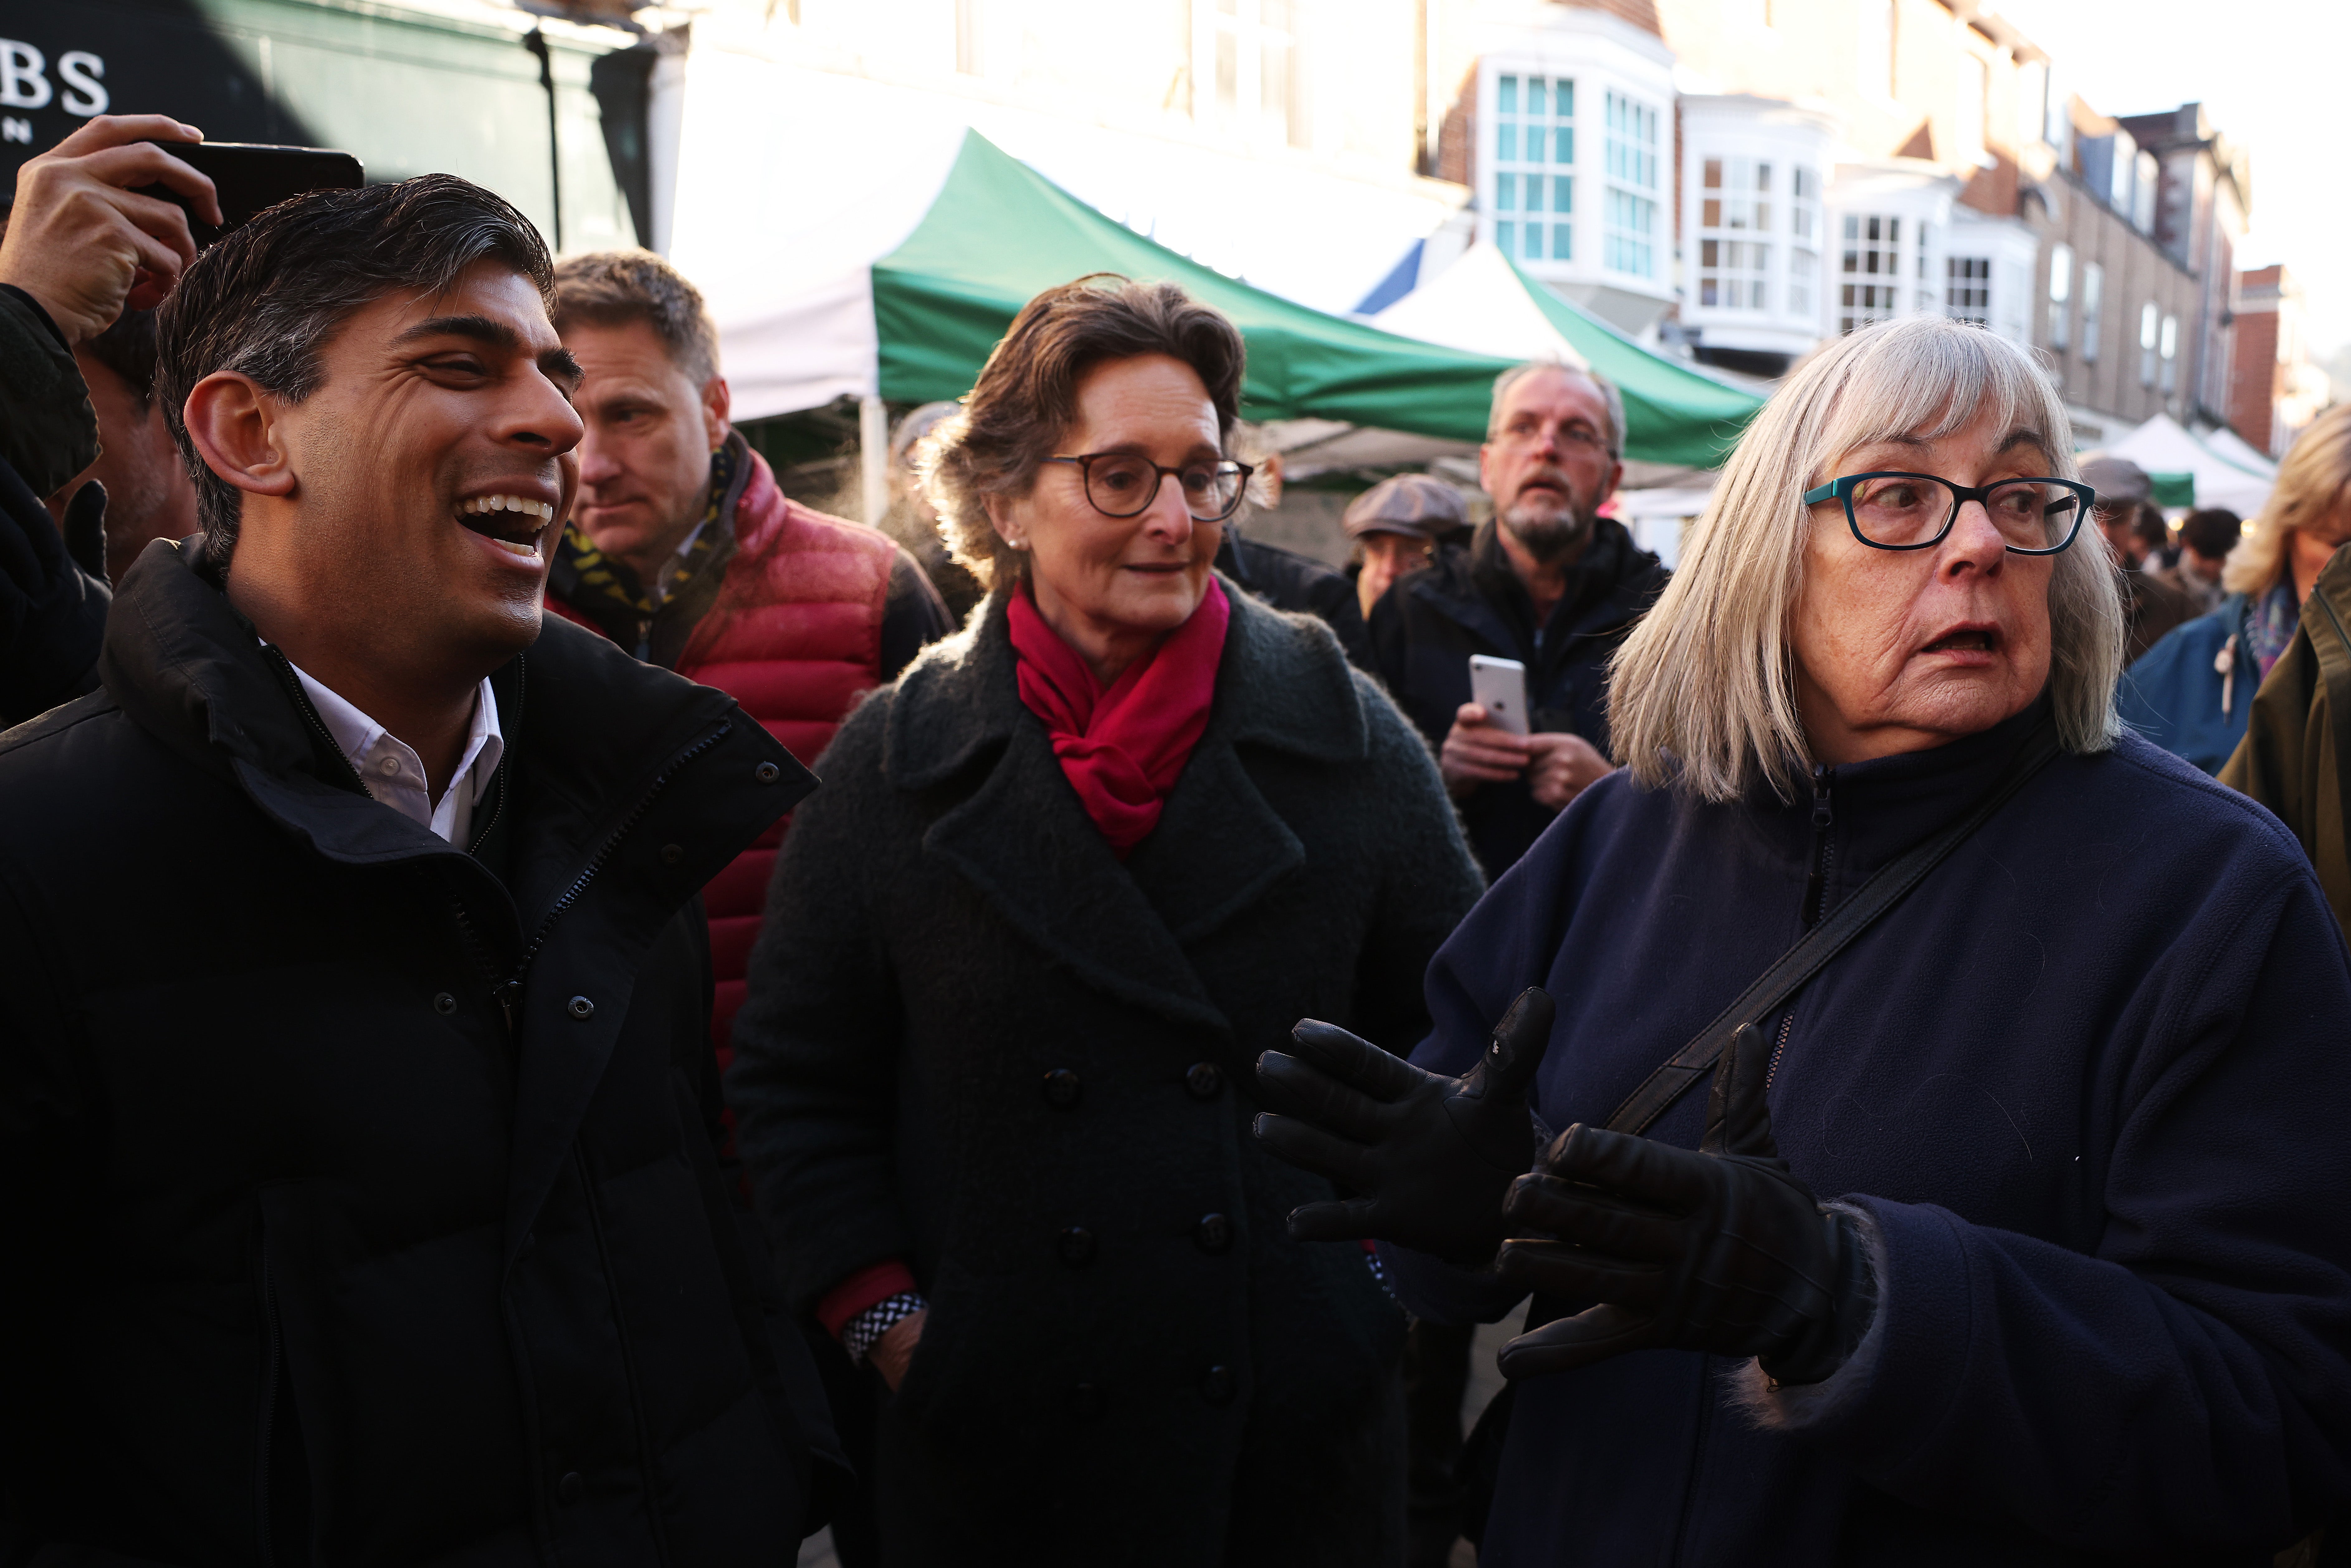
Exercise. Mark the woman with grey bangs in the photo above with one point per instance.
(2009, 1226)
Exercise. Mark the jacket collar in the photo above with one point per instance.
(1477, 589)
(1881, 808)
(1018, 835)
(607, 750)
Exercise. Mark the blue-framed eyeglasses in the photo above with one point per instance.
(1891, 510)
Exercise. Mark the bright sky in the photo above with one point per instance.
(2269, 74)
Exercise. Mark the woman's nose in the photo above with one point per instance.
(1974, 538)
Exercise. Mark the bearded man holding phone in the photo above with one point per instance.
(1547, 581)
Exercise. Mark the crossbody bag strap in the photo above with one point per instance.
(1771, 988)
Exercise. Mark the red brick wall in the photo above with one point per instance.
(2253, 383)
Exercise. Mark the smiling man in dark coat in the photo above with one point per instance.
(358, 1115)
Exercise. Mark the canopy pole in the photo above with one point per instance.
(873, 456)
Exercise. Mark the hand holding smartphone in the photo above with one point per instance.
(249, 176)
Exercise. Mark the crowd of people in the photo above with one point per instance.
(563, 1004)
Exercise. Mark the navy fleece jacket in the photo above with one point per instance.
(2090, 1085)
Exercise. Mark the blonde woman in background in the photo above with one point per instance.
(2290, 569)
(2192, 692)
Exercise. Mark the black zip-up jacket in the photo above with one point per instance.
(362, 1197)
(1467, 602)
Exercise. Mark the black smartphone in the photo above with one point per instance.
(249, 176)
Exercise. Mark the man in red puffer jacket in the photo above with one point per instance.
(681, 550)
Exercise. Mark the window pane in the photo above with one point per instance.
(1534, 193)
(1560, 249)
(1506, 192)
(1506, 237)
(1710, 252)
(1563, 97)
(1563, 198)
(1564, 144)
(1534, 242)
(1506, 95)
(1710, 213)
(1535, 110)
(1763, 178)
(1714, 174)
(1506, 142)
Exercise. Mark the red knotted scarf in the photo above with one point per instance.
(1123, 748)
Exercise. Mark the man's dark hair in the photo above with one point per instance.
(2212, 532)
(2151, 529)
(128, 348)
(615, 288)
(265, 298)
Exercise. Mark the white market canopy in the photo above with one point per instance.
(2162, 446)
(793, 181)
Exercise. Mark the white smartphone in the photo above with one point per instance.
(1499, 687)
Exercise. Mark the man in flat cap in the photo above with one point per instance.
(1397, 525)
(2151, 606)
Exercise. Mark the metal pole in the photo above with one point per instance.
(536, 42)
(873, 456)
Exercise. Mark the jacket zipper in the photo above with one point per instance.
(310, 719)
(509, 992)
(1816, 884)
(1816, 890)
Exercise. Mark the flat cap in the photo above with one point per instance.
(2116, 478)
(1413, 504)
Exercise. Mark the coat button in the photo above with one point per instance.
(444, 1004)
(568, 1489)
(1077, 1246)
(767, 773)
(1213, 1233)
(1085, 1401)
(1204, 1079)
(1063, 1089)
(580, 1008)
(1216, 1385)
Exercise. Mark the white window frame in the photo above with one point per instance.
(2093, 288)
(1874, 50)
(1736, 249)
(1966, 288)
(2168, 351)
(1242, 38)
(1629, 128)
(2061, 296)
(1806, 239)
(1506, 179)
(1870, 246)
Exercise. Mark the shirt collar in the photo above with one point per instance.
(359, 737)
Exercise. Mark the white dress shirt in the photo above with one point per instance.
(393, 772)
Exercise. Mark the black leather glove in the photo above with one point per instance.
(1430, 1157)
(1721, 1250)
(52, 613)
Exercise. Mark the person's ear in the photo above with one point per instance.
(999, 517)
(717, 406)
(232, 424)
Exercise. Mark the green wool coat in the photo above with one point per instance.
(977, 1042)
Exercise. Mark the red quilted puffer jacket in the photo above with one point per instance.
(795, 635)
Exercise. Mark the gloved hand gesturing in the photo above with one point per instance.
(1721, 1250)
(1430, 1157)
